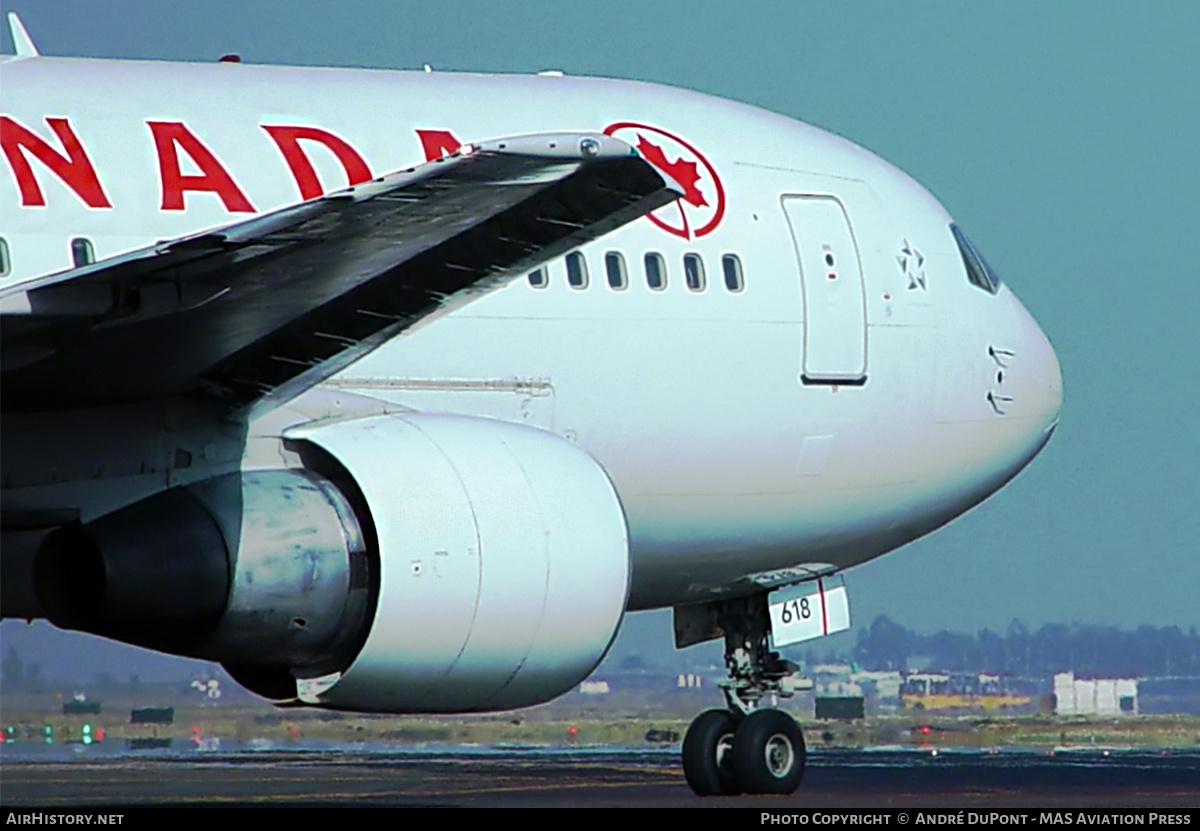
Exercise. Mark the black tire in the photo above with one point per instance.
(708, 754)
(769, 753)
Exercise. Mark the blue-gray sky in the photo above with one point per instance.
(1063, 136)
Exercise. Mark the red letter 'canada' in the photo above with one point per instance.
(438, 143)
(288, 139)
(74, 169)
(213, 177)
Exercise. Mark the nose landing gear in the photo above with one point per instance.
(746, 749)
(769, 753)
(708, 754)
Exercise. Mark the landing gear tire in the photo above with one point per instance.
(708, 754)
(768, 753)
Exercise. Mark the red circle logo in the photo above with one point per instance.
(700, 210)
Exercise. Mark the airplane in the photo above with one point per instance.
(394, 391)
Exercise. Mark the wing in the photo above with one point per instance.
(256, 312)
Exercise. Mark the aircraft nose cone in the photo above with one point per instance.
(1038, 383)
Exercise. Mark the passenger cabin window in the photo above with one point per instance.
(693, 272)
(538, 279)
(731, 265)
(656, 271)
(82, 252)
(5, 263)
(614, 267)
(979, 272)
(577, 276)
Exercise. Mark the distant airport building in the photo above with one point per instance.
(594, 688)
(836, 694)
(1095, 696)
(836, 687)
(883, 687)
(835, 681)
(958, 691)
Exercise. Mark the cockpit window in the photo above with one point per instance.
(978, 271)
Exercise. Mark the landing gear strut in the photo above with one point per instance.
(746, 748)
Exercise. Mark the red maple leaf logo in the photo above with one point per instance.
(685, 173)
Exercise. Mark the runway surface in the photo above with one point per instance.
(568, 776)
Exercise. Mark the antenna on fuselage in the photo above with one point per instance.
(21, 40)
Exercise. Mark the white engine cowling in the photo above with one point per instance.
(503, 564)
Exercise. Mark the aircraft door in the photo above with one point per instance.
(831, 280)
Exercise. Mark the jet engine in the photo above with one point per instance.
(415, 563)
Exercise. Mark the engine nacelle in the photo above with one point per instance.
(503, 560)
(418, 563)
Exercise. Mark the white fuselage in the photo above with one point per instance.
(728, 462)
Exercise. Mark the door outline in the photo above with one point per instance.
(830, 328)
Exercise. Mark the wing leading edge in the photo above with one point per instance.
(256, 312)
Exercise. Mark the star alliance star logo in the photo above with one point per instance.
(912, 263)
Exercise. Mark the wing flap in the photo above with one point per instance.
(256, 312)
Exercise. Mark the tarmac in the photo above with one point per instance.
(582, 777)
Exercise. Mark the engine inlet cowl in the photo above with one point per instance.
(503, 561)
